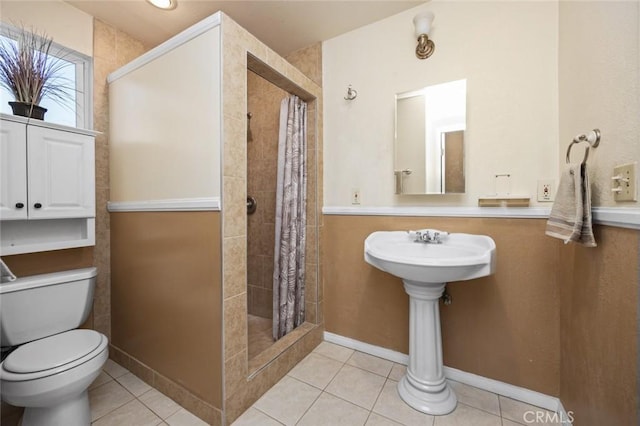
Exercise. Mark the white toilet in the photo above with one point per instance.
(50, 371)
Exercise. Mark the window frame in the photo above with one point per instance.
(84, 76)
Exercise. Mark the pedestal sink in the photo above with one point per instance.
(425, 268)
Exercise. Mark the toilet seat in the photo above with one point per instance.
(52, 355)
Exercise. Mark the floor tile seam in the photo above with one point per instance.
(378, 397)
(267, 414)
(300, 381)
(306, 383)
(480, 409)
(355, 351)
(102, 384)
(152, 410)
(387, 417)
(351, 402)
(384, 417)
(368, 371)
(309, 407)
(348, 402)
(332, 379)
(328, 357)
(117, 408)
(513, 421)
(114, 377)
(127, 389)
(148, 408)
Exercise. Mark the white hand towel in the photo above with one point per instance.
(570, 218)
(5, 273)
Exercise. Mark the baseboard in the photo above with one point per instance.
(501, 388)
(367, 348)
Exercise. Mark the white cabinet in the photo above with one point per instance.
(47, 186)
(46, 173)
(13, 170)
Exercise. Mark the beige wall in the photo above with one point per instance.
(67, 25)
(600, 86)
(74, 29)
(507, 51)
(112, 49)
(152, 157)
(166, 293)
(505, 326)
(599, 328)
(599, 286)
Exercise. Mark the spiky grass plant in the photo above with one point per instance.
(30, 70)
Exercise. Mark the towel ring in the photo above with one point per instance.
(586, 153)
(593, 139)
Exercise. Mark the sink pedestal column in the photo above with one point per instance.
(424, 386)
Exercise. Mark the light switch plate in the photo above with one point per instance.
(627, 184)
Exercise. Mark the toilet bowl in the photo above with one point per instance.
(50, 377)
(54, 364)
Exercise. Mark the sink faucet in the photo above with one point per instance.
(430, 236)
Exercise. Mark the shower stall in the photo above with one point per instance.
(189, 265)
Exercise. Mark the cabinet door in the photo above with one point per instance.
(61, 177)
(13, 170)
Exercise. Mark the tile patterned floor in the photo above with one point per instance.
(119, 398)
(336, 386)
(332, 386)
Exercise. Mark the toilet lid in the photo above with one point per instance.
(51, 352)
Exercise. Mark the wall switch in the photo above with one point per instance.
(623, 183)
(355, 196)
(546, 190)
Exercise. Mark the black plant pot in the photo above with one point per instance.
(25, 109)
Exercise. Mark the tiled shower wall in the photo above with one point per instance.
(263, 102)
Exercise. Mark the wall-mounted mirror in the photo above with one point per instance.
(429, 145)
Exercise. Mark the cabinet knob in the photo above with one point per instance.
(37, 205)
(19, 205)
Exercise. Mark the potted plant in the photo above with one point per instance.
(30, 71)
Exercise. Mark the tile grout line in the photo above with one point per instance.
(266, 414)
(311, 405)
(378, 397)
(152, 410)
(134, 398)
(116, 408)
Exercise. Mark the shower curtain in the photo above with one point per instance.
(291, 201)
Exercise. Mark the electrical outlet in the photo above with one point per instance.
(624, 182)
(355, 196)
(546, 190)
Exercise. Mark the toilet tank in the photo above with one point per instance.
(38, 306)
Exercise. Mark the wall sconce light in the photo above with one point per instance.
(164, 4)
(425, 47)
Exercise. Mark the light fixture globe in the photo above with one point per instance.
(422, 23)
(164, 4)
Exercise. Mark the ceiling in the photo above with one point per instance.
(284, 26)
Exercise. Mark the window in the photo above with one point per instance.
(77, 69)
